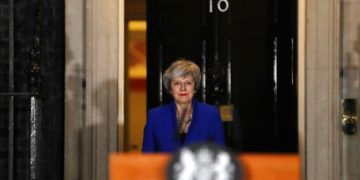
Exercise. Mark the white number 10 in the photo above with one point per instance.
(221, 9)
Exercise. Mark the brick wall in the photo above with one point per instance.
(53, 87)
(52, 91)
(4, 68)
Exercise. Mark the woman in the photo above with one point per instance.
(184, 120)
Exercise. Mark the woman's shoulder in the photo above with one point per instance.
(207, 112)
(207, 107)
(159, 109)
(158, 113)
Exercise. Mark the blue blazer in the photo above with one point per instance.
(161, 135)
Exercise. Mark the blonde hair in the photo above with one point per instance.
(180, 68)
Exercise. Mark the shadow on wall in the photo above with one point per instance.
(74, 110)
(90, 116)
(357, 42)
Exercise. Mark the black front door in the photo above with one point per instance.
(247, 53)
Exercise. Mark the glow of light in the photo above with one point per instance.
(137, 25)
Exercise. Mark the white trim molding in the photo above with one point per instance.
(94, 86)
(320, 134)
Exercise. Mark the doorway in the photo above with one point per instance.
(135, 45)
(247, 51)
(318, 92)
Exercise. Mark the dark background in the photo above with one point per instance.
(52, 88)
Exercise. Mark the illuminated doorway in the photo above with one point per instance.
(136, 83)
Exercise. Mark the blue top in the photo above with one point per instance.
(161, 135)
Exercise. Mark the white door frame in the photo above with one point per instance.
(319, 84)
(94, 86)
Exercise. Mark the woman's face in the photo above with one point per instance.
(183, 89)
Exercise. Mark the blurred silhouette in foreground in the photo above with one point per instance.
(204, 161)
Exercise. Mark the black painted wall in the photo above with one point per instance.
(52, 89)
